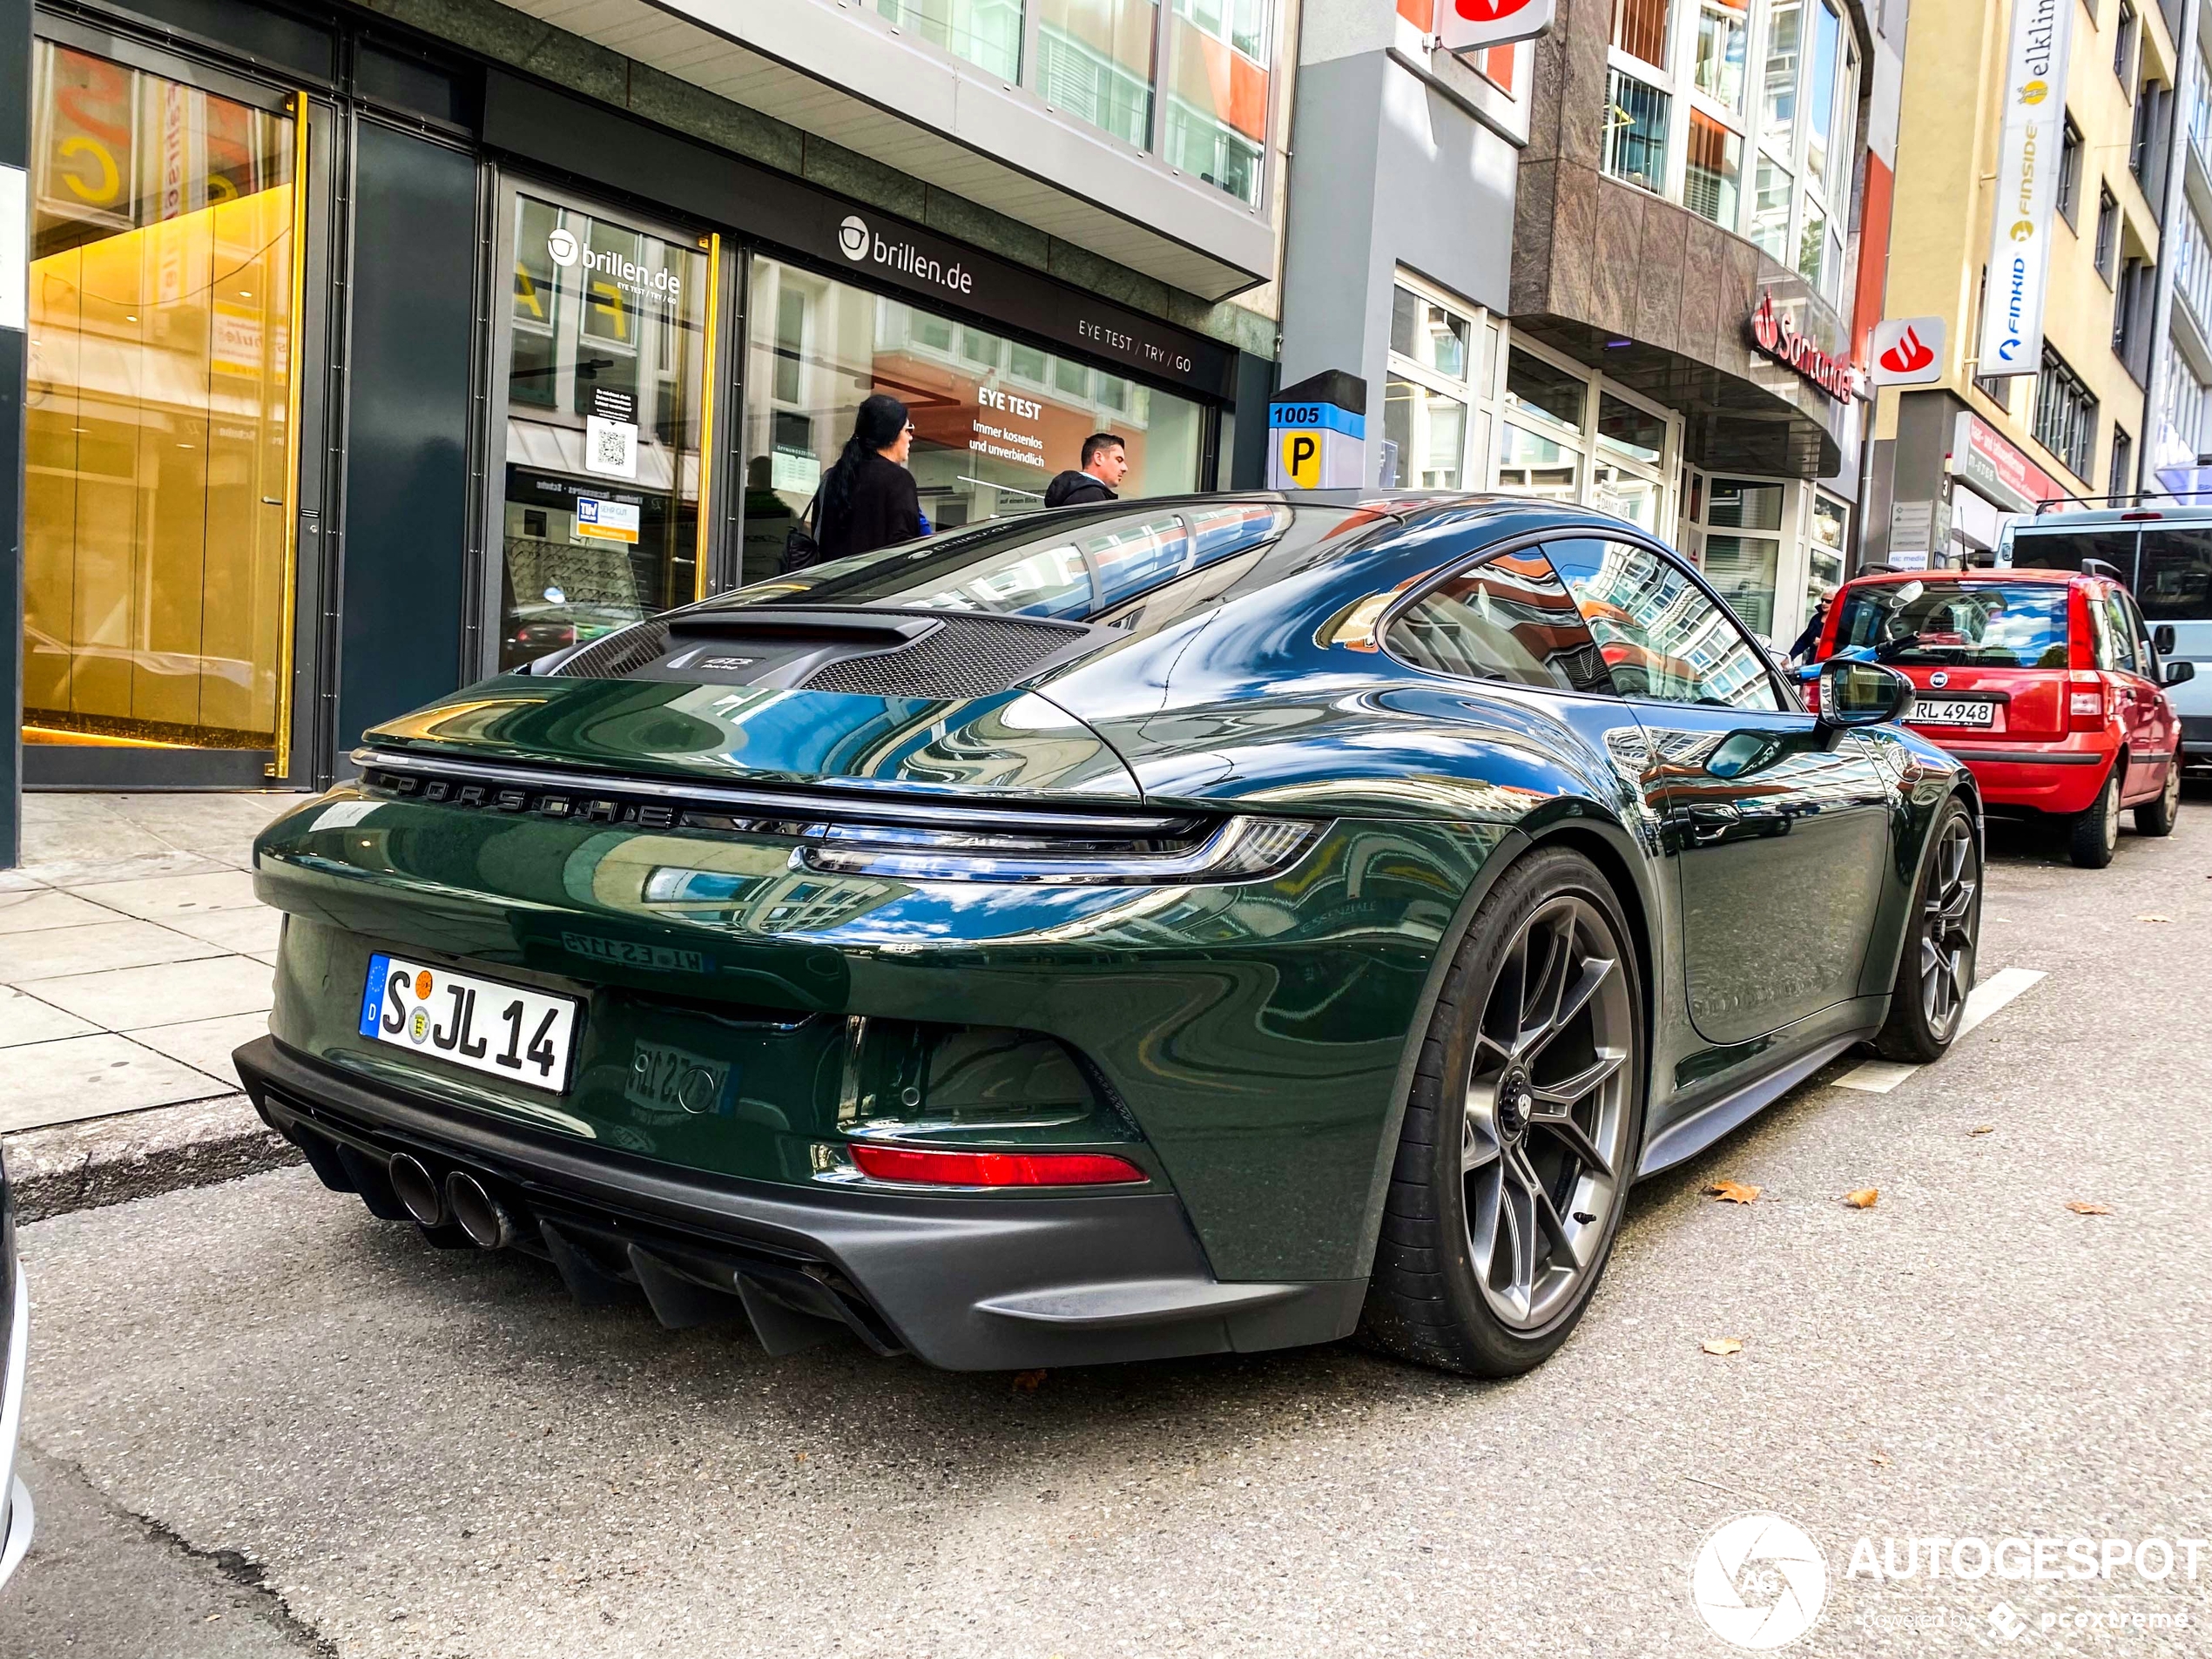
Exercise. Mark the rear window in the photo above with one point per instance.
(1994, 624)
(2175, 580)
(1073, 567)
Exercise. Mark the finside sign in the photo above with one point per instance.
(2029, 144)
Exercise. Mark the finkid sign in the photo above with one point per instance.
(1779, 338)
(2029, 144)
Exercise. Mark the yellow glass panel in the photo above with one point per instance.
(158, 495)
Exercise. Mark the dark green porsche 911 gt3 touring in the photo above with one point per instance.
(1201, 925)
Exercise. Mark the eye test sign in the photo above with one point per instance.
(611, 433)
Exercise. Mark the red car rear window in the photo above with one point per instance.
(1933, 621)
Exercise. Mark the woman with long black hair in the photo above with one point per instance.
(868, 497)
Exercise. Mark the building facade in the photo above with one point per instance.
(373, 349)
(2176, 456)
(1956, 460)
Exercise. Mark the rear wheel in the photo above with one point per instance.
(1935, 971)
(2092, 835)
(1520, 1137)
(2156, 817)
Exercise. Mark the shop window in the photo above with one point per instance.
(1743, 546)
(987, 33)
(1531, 463)
(1432, 335)
(1632, 432)
(1436, 406)
(1095, 61)
(1537, 385)
(2066, 414)
(1827, 552)
(606, 378)
(1636, 132)
(1716, 170)
(158, 498)
(1429, 429)
(993, 423)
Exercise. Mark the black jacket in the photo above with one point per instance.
(1077, 489)
(883, 508)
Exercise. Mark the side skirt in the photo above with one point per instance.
(1694, 1133)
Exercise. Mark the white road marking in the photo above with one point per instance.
(1879, 1076)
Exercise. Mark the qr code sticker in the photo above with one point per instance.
(611, 447)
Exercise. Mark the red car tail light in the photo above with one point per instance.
(939, 1169)
(2086, 709)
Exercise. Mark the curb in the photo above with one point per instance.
(104, 1161)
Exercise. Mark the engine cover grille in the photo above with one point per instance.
(965, 655)
(620, 653)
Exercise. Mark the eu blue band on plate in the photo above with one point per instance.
(379, 974)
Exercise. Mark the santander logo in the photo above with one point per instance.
(1909, 356)
(1489, 10)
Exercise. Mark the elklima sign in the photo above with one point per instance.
(2029, 144)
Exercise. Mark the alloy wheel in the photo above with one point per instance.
(2111, 811)
(1544, 1144)
(1947, 925)
(2173, 789)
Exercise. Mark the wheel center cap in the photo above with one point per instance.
(1514, 1104)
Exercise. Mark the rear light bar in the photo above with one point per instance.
(921, 1167)
(2086, 705)
(1240, 849)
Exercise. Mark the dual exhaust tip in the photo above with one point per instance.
(461, 1200)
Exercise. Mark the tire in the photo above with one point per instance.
(2156, 817)
(1935, 970)
(1521, 1133)
(2092, 836)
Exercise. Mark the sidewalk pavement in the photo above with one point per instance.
(133, 959)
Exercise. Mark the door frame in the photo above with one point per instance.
(480, 629)
(292, 763)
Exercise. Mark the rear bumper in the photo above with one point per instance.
(965, 1283)
(2051, 778)
(16, 1520)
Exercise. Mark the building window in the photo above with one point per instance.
(1095, 61)
(2108, 232)
(1616, 452)
(2066, 414)
(1723, 32)
(987, 33)
(1439, 400)
(2181, 412)
(1640, 29)
(1216, 120)
(2070, 175)
(1636, 132)
(2123, 45)
(2122, 482)
(1714, 169)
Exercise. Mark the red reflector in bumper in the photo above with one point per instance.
(992, 1169)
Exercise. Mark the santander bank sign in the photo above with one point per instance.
(1466, 25)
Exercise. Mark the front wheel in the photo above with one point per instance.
(2156, 817)
(2092, 835)
(1935, 971)
(1520, 1139)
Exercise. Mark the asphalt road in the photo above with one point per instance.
(263, 1423)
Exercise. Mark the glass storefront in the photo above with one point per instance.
(160, 452)
(605, 412)
(994, 418)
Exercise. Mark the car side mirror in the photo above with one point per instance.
(1859, 693)
(2176, 672)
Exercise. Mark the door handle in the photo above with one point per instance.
(1709, 821)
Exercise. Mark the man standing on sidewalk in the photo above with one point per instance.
(1105, 463)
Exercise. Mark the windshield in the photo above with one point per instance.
(1100, 566)
(1997, 624)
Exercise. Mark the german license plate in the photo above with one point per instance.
(1953, 711)
(504, 1030)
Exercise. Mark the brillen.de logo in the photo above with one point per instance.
(853, 238)
(562, 245)
(1759, 1581)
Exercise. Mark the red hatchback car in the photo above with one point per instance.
(2044, 682)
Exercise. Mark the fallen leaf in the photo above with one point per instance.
(1722, 1344)
(1026, 1381)
(1733, 1191)
(1878, 1457)
(1982, 1129)
(1862, 1199)
(2083, 1207)
(2148, 916)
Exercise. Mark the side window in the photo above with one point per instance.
(2175, 582)
(2120, 632)
(1660, 636)
(1507, 619)
(2146, 653)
